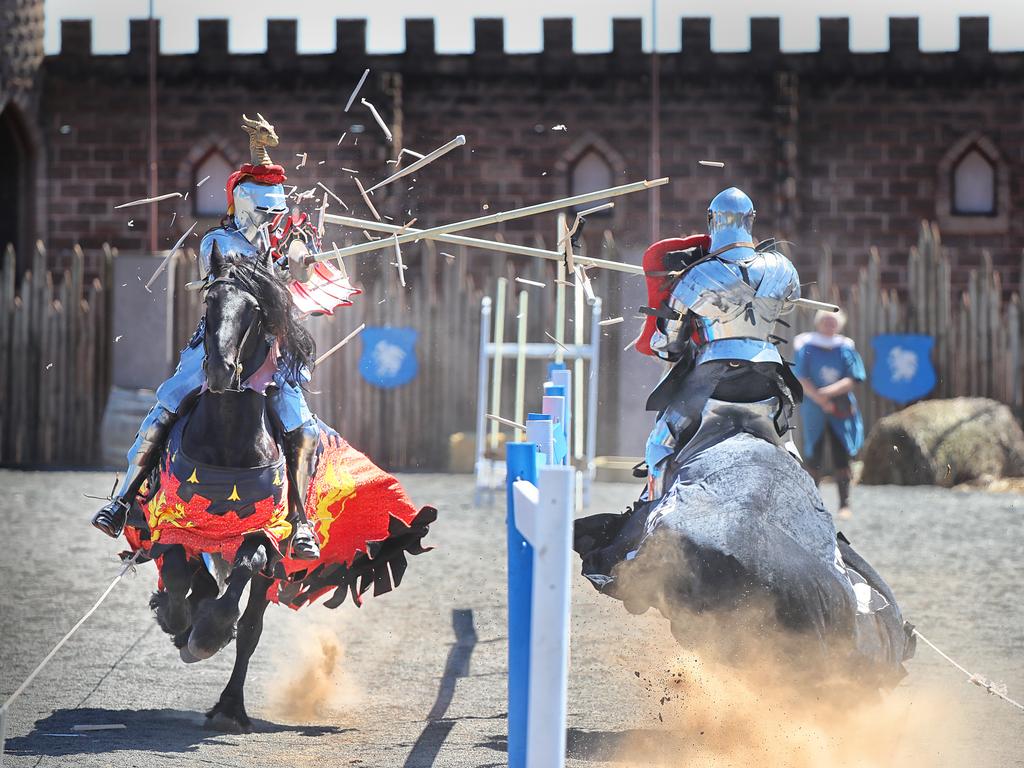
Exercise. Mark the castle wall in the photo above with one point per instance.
(837, 149)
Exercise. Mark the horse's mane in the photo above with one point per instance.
(280, 316)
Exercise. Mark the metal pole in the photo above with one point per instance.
(481, 393)
(592, 394)
(494, 218)
(576, 437)
(152, 130)
(655, 123)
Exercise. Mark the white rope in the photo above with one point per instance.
(996, 689)
(46, 659)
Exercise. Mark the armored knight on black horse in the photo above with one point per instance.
(257, 227)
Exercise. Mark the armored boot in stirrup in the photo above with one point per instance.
(142, 457)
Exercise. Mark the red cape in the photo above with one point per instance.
(659, 286)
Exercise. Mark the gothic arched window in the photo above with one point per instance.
(211, 174)
(972, 195)
(974, 185)
(589, 173)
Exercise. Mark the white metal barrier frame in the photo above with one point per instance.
(491, 472)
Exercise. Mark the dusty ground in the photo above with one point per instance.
(418, 679)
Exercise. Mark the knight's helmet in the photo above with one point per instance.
(254, 204)
(731, 225)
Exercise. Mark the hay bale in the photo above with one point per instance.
(944, 442)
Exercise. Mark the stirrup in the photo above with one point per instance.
(304, 543)
(112, 517)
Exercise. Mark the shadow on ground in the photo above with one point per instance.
(158, 730)
(604, 746)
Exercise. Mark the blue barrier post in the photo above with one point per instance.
(521, 459)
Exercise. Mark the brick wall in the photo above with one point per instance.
(861, 137)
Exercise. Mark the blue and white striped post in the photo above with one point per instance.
(540, 518)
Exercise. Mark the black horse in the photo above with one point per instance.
(230, 427)
(228, 431)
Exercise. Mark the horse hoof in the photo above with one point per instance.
(218, 721)
(173, 617)
(186, 655)
(196, 651)
(212, 629)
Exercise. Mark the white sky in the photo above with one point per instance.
(454, 25)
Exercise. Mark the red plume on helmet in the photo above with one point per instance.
(659, 285)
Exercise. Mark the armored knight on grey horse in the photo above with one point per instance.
(258, 227)
(729, 520)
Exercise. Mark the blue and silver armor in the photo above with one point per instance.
(722, 312)
(256, 207)
(728, 302)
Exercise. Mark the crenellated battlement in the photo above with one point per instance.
(840, 148)
(557, 54)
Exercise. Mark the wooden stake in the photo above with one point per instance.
(524, 304)
(499, 338)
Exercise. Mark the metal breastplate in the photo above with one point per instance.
(732, 306)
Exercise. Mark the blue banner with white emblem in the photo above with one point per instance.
(389, 356)
(903, 369)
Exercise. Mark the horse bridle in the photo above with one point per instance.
(240, 357)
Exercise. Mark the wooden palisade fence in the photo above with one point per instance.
(56, 343)
(55, 350)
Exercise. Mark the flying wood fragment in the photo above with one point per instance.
(581, 278)
(458, 141)
(340, 344)
(199, 184)
(613, 321)
(342, 138)
(156, 199)
(167, 258)
(302, 162)
(400, 265)
(379, 119)
(366, 199)
(355, 91)
(325, 189)
(556, 341)
(531, 282)
(507, 422)
(712, 163)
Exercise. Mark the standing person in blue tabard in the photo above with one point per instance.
(828, 367)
